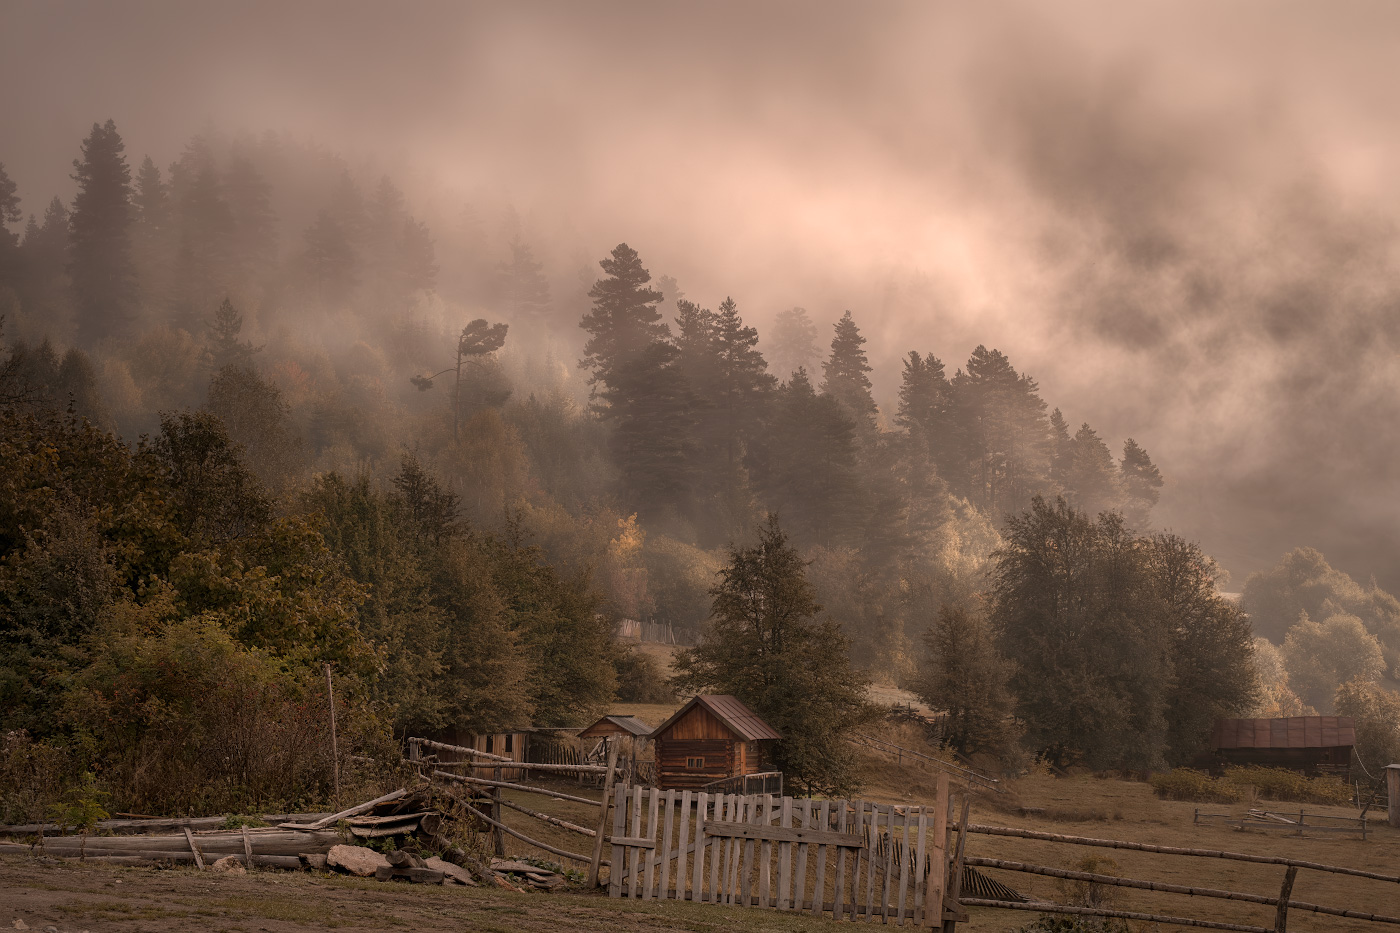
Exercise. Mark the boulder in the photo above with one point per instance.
(233, 864)
(356, 860)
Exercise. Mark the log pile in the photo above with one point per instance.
(315, 841)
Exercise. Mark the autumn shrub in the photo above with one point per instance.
(185, 720)
(640, 678)
(33, 777)
(1189, 784)
(1283, 784)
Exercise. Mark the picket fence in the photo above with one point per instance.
(848, 859)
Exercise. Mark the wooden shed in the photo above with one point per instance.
(1311, 744)
(709, 739)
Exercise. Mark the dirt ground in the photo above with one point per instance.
(71, 897)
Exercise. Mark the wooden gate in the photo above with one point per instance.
(847, 858)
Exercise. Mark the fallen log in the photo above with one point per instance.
(290, 862)
(215, 844)
(343, 814)
(562, 853)
(146, 825)
(527, 788)
(552, 820)
(460, 750)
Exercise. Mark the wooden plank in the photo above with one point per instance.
(635, 842)
(785, 854)
(889, 863)
(938, 857)
(954, 894)
(603, 824)
(799, 887)
(921, 868)
(619, 851)
(683, 837)
(697, 877)
(860, 829)
(784, 834)
(731, 850)
(198, 857)
(746, 864)
(873, 858)
(906, 853)
(635, 855)
(819, 887)
(765, 859)
(716, 846)
(651, 869)
(838, 895)
(343, 814)
(668, 828)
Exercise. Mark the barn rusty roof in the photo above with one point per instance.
(629, 724)
(728, 710)
(1289, 732)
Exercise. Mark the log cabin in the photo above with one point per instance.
(709, 739)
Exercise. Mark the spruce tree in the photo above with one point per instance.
(524, 292)
(44, 286)
(225, 348)
(794, 343)
(1091, 481)
(204, 235)
(1005, 433)
(624, 320)
(1141, 482)
(9, 208)
(845, 376)
(252, 220)
(965, 677)
(104, 279)
(767, 646)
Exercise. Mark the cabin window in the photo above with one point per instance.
(490, 743)
(694, 764)
(510, 744)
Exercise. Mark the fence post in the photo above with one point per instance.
(1281, 918)
(603, 819)
(1392, 790)
(498, 837)
(335, 748)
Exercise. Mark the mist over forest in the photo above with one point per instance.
(382, 335)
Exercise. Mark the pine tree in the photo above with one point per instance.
(204, 224)
(104, 279)
(225, 349)
(845, 376)
(794, 343)
(767, 646)
(624, 320)
(252, 220)
(1060, 447)
(45, 292)
(153, 236)
(805, 466)
(522, 286)
(1091, 482)
(1005, 433)
(1141, 482)
(9, 208)
(330, 260)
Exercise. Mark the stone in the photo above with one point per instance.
(233, 864)
(21, 925)
(455, 872)
(357, 860)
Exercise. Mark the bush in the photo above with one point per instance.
(1188, 784)
(640, 679)
(33, 777)
(1283, 784)
(1268, 783)
(1063, 923)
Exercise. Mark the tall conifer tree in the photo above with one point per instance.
(845, 373)
(104, 279)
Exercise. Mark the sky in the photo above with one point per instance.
(1180, 218)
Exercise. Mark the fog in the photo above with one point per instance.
(1179, 218)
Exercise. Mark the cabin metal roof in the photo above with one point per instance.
(630, 724)
(737, 717)
(1288, 732)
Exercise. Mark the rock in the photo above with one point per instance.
(520, 868)
(500, 882)
(455, 872)
(401, 859)
(357, 860)
(233, 864)
(21, 925)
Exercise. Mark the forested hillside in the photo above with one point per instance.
(259, 417)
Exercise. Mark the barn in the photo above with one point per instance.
(512, 745)
(709, 739)
(1311, 744)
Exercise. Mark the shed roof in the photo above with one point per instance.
(629, 724)
(727, 709)
(1289, 732)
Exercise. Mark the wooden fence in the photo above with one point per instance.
(847, 858)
